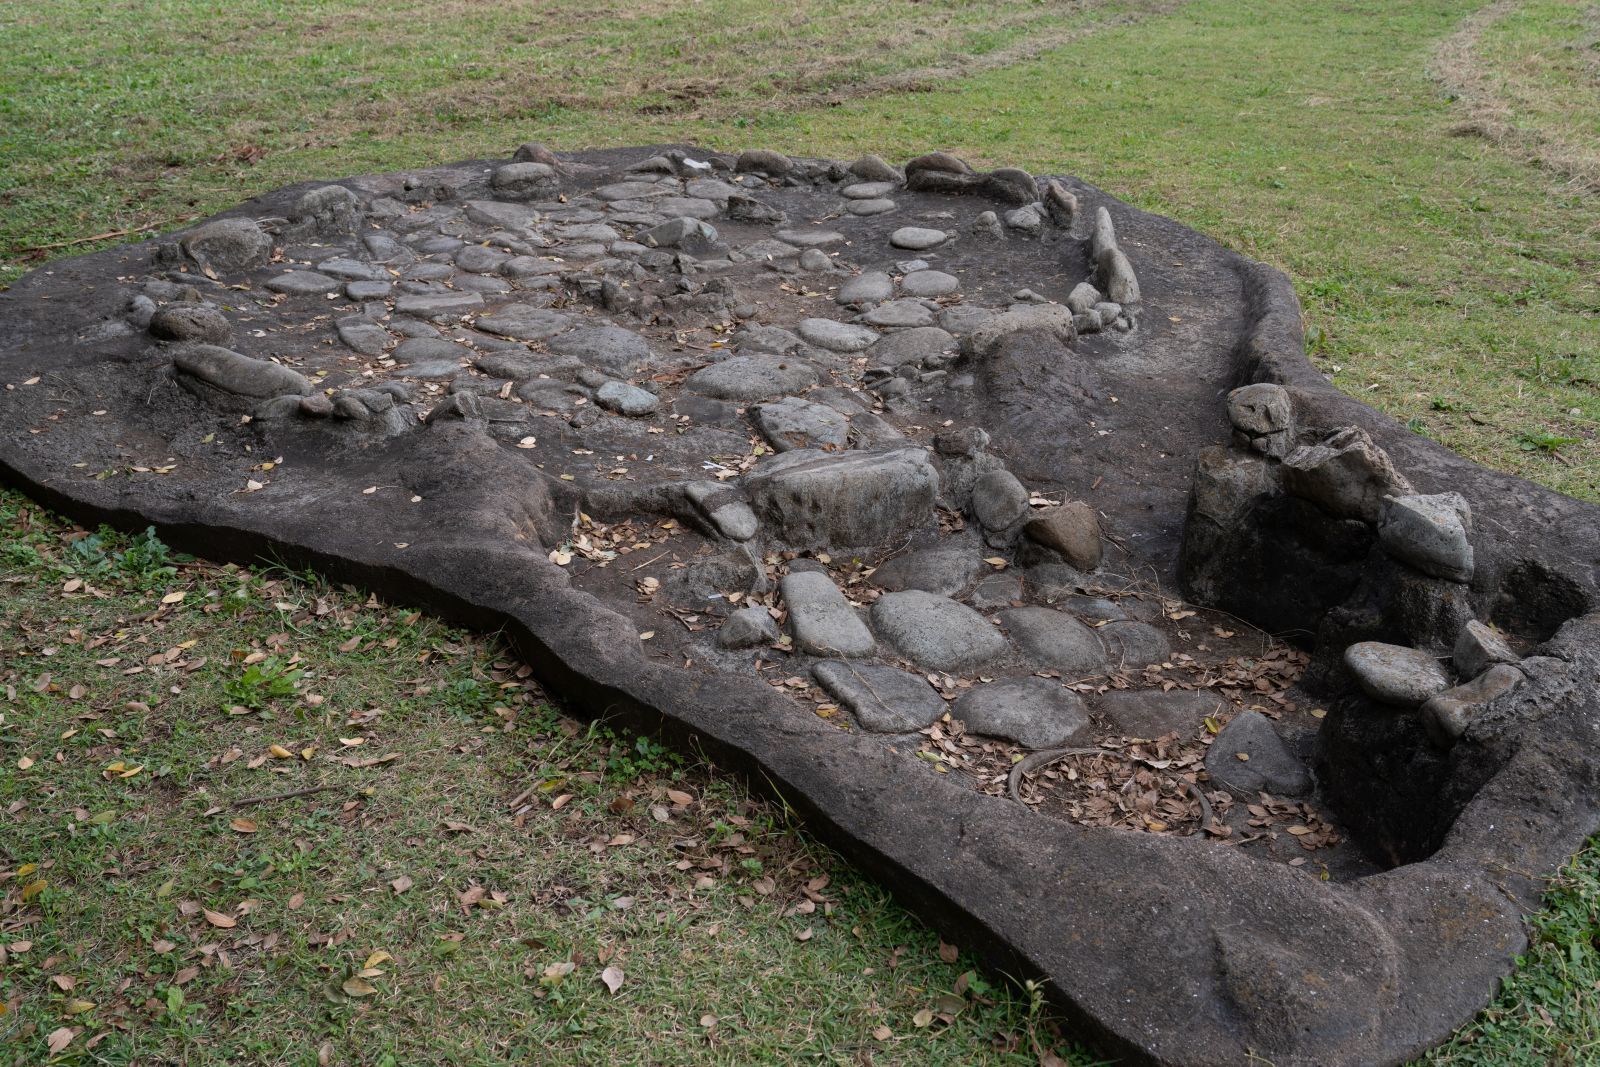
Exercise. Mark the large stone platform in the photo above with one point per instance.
(1000, 528)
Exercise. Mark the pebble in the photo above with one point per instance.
(917, 238)
(836, 336)
(871, 207)
(935, 632)
(820, 618)
(1036, 713)
(1394, 674)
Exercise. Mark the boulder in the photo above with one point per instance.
(1447, 715)
(228, 245)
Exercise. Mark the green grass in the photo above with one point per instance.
(1446, 280)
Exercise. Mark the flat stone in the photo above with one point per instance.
(869, 287)
(810, 238)
(768, 340)
(898, 314)
(524, 322)
(432, 369)
(927, 284)
(1478, 648)
(712, 189)
(945, 571)
(239, 374)
(815, 259)
(368, 290)
(1248, 757)
(1035, 713)
(1447, 715)
(882, 699)
(750, 627)
(1133, 645)
(626, 399)
(437, 305)
(421, 349)
(303, 283)
(794, 423)
(912, 346)
(917, 238)
(820, 618)
(1053, 640)
(481, 260)
(935, 632)
(1394, 674)
(368, 338)
(870, 207)
(1152, 713)
(689, 234)
(618, 352)
(350, 270)
(1026, 219)
(691, 207)
(1431, 533)
(852, 499)
(750, 378)
(500, 214)
(999, 501)
(634, 190)
(836, 336)
(868, 190)
(1071, 530)
(769, 251)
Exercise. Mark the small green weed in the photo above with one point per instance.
(263, 682)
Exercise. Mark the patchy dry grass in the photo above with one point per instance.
(226, 792)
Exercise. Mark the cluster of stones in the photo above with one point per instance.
(1426, 539)
(483, 302)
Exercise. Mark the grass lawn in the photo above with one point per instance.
(472, 867)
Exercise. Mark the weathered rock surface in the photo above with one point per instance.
(882, 699)
(235, 373)
(1053, 640)
(935, 632)
(855, 498)
(821, 619)
(1392, 674)
(1033, 712)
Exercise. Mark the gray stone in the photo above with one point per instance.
(1060, 203)
(368, 290)
(929, 284)
(836, 336)
(481, 260)
(529, 267)
(882, 699)
(501, 215)
(917, 238)
(433, 369)
(1072, 530)
(869, 287)
(1117, 278)
(523, 180)
(898, 314)
(1134, 645)
(871, 168)
(997, 591)
(712, 189)
(810, 238)
(1346, 475)
(239, 374)
(766, 340)
(1053, 640)
(347, 269)
(1394, 674)
(769, 251)
(763, 161)
(1248, 757)
(999, 501)
(852, 499)
(1478, 648)
(368, 338)
(1153, 713)
(912, 346)
(1036, 713)
(597, 233)
(935, 632)
(618, 352)
(228, 245)
(1447, 715)
(987, 226)
(749, 627)
(330, 211)
(821, 620)
(870, 207)
(634, 190)
(1263, 415)
(1431, 533)
(422, 349)
(1053, 319)
(190, 322)
(437, 305)
(626, 399)
(815, 259)
(1029, 220)
(690, 234)
(944, 571)
(749, 378)
(524, 322)
(723, 509)
(794, 423)
(868, 190)
(303, 283)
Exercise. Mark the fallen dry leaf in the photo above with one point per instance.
(216, 918)
(612, 977)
